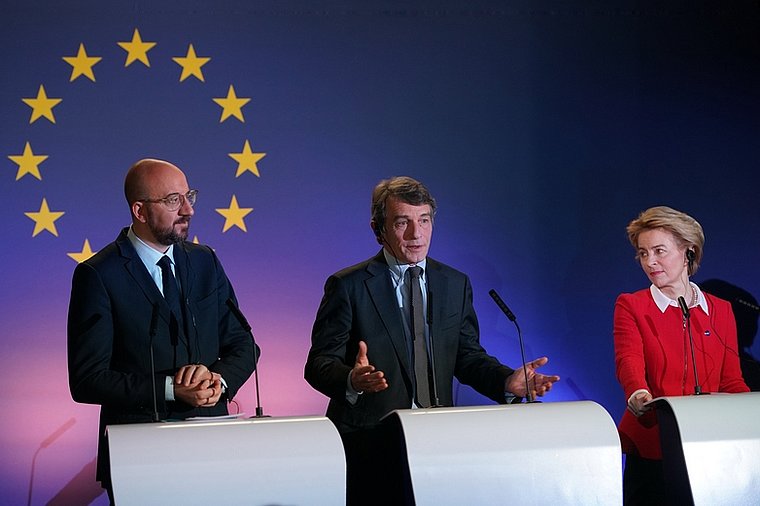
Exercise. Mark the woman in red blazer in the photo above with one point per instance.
(652, 350)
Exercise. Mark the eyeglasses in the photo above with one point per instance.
(174, 201)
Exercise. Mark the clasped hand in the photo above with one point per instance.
(197, 386)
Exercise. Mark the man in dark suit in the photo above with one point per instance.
(150, 334)
(364, 354)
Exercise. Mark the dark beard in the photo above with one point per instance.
(168, 236)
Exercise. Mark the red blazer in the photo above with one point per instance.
(652, 352)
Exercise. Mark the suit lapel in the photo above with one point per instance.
(137, 271)
(384, 299)
(438, 292)
(182, 264)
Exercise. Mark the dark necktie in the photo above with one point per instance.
(421, 364)
(171, 291)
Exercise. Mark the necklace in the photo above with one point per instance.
(693, 297)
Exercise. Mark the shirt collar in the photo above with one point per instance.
(147, 254)
(663, 301)
(399, 268)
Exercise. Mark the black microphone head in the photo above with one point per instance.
(502, 305)
(239, 316)
(683, 306)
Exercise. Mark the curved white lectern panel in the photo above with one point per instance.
(711, 447)
(542, 453)
(262, 461)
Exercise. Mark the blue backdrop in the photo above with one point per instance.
(541, 128)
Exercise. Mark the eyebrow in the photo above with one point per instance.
(407, 217)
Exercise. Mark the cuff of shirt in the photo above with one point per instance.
(169, 389)
(511, 398)
(352, 396)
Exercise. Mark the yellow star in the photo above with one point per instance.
(233, 215)
(82, 64)
(247, 160)
(82, 255)
(195, 240)
(28, 163)
(42, 105)
(231, 106)
(137, 49)
(191, 64)
(44, 219)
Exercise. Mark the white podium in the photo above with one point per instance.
(542, 453)
(711, 447)
(261, 461)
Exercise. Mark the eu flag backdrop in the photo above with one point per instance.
(541, 128)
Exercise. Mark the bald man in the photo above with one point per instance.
(150, 334)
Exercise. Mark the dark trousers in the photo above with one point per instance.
(377, 472)
(644, 483)
(109, 490)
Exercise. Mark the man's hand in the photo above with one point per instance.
(195, 385)
(364, 378)
(539, 383)
(192, 374)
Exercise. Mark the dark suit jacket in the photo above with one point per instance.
(109, 326)
(359, 304)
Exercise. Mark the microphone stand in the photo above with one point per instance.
(244, 323)
(687, 324)
(436, 402)
(511, 316)
(153, 325)
(44, 444)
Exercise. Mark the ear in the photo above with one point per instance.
(138, 211)
(690, 256)
(377, 231)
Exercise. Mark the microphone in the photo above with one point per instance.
(244, 323)
(44, 444)
(687, 324)
(684, 308)
(58, 432)
(152, 333)
(436, 403)
(513, 319)
(747, 304)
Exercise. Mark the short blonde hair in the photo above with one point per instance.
(686, 231)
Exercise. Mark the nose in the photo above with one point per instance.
(186, 209)
(413, 230)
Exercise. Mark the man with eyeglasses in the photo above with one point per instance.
(150, 333)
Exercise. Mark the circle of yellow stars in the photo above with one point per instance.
(28, 162)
